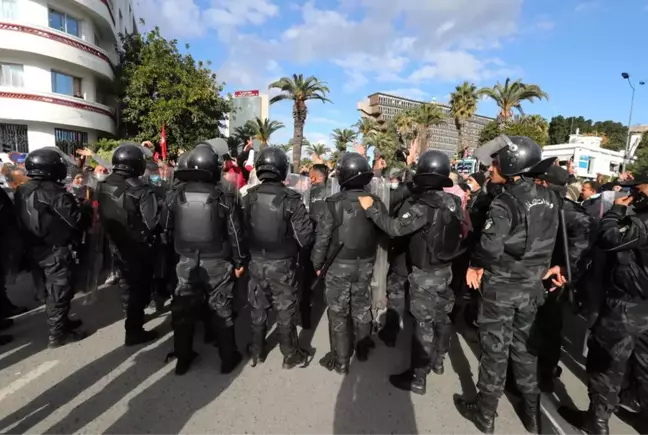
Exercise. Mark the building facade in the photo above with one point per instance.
(57, 67)
(444, 137)
(247, 106)
(588, 156)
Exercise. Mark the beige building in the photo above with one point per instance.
(247, 106)
(444, 137)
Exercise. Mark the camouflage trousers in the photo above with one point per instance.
(212, 281)
(619, 336)
(548, 328)
(273, 284)
(396, 293)
(431, 302)
(348, 295)
(505, 319)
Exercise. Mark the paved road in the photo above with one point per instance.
(98, 386)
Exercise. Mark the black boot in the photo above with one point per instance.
(72, 324)
(342, 351)
(440, 346)
(256, 348)
(531, 414)
(595, 425)
(414, 380)
(389, 332)
(229, 355)
(134, 338)
(59, 332)
(482, 417)
(328, 360)
(210, 327)
(364, 341)
(6, 324)
(288, 343)
(66, 338)
(183, 346)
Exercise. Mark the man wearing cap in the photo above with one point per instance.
(620, 334)
(580, 231)
(507, 266)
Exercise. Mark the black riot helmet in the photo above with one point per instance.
(200, 164)
(353, 171)
(271, 164)
(520, 155)
(46, 164)
(433, 170)
(129, 158)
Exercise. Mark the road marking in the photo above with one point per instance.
(552, 419)
(26, 379)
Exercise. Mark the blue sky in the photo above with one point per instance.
(574, 49)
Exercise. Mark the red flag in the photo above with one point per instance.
(163, 144)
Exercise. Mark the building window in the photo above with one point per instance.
(9, 9)
(11, 75)
(13, 137)
(69, 140)
(64, 23)
(66, 85)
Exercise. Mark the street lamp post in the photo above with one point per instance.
(626, 76)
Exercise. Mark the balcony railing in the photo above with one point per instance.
(62, 100)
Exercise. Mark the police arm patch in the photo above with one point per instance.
(488, 224)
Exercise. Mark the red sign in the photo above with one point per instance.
(239, 94)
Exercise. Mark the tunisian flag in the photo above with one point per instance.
(163, 144)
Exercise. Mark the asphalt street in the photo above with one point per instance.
(98, 386)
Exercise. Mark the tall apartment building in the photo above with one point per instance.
(57, 67)
(444, 137)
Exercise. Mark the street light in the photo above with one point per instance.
(626, 76)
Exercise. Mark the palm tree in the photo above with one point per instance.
(366, 127)
(318, 149)
(342, 137)
(264, 129)
(511, 95)
(425, 117)
(463, 105)
(299, 90)
(405, 125)
(535, 121)
(284, 147)
(245, 131)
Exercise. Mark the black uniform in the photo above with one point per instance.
(11, 250)
(128, 209)
(348, 280)
(514, 253)
(277, 227)
(549, 319)
(434, 220)
(205, 222)
(621, 330)
(51, 222)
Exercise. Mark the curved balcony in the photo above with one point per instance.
(22, 105)
(101, 13)
(55, 44)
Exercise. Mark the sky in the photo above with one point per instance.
(575, 50)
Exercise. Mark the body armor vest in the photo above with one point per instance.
(440, 241)
(200, 221)
(358, 233)
(121, 224)
(269, 225)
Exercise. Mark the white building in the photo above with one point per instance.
(589, 158)
(57, 67)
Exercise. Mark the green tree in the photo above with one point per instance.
(342, 137)
(318, 149)
(519, 128)
(245, 131)
(425, 117)
(366, 127)
(510, 96)
(286, 148)
(405, 125)
(463, 105)
(299, 90)
(264, 129)
(158, 85)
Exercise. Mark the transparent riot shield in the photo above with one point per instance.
(381, 188)
(91, 250)
(332, 186)
(300, 183)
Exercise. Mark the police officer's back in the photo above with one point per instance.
(432, 218)
(205, 222)
(277, 227)
(128, 209)
(51, 222)
(348, 293)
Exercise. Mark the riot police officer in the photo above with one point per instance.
(620, 334)
(347, 241)
(206, 226)
(278, 226)
(433, 219)
(51, 222)
(509, 262)
(128, 209)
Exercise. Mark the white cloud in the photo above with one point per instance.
(449, 66)
(545, 24)
(412, 93)
(382, 45)
(586, 6)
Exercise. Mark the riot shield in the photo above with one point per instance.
(332, 186)
(300, 183)
(381, 188)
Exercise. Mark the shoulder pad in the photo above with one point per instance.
(335, 197)
(292, 194)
